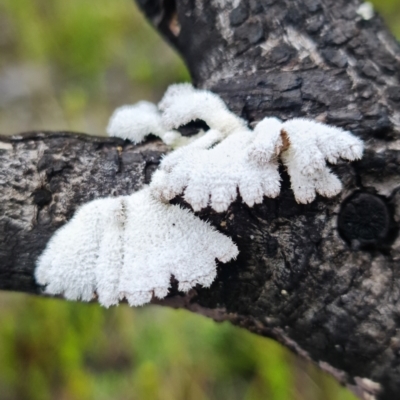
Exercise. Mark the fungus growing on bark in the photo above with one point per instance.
(231, 156)
(128, 248)
(182, 103)
(310, 143)
(207, 172)
(135, 122)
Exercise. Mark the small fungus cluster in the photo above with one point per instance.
(129, 247)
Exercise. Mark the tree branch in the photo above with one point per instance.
(323, 279)
(45, 177)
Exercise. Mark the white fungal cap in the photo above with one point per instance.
(231, 157)
(128, 248)
(67, 265)
(310, 144)
(182, 104)
(135, 122)
(267, 143)
(212, 174)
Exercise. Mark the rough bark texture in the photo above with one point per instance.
(44, 177)
(323, 278)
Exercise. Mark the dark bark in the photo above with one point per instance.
(324, 278)
(44, 177)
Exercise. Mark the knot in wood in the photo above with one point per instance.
(364, 218)
(42, 197)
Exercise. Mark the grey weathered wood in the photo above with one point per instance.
(322, 278)
(44, 177)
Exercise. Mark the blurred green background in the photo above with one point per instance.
(66, 65)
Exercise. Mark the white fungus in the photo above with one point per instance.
(135, 122)
(182, 103)
(213, 173)
(310, 144)
(231, 157)
(129, 248)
